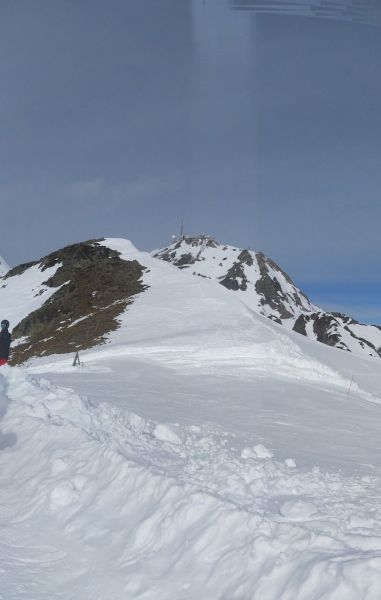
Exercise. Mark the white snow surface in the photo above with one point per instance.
(22, 294)
(369, 332)
(203, 452)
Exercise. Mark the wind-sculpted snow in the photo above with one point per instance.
(98, 502)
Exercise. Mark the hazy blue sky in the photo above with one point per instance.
(120, 118)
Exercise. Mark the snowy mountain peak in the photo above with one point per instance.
(75, 297)
(261, 282)
(198, 240)
(267, 289)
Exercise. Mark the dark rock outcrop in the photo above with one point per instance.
(20, 269)
(235, 279)
(246, 258)
(186, 259)
(94, 286)
(323, 326)
(269, 287)
(300, 324)
(328, 329)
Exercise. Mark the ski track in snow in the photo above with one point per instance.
(100, 503)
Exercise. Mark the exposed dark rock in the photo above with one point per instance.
(185, 260)
(246, 257)
(362, 341)
(230, 281)
(275, 319)
(327, 329)
(20, 269)
(265, 262)
(322, 323)
(199, 240)
(296, 296)
(94, 287)
(345, 318)
(300, 324)
(269, 288)
(284, 302)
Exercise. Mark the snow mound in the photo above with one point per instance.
(100, 503)
(165, 433)
(121, 245)
(257, 452)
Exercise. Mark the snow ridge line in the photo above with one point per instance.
(169, 448)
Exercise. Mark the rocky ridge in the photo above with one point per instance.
(87, 287)
(73, 298)
(265, 288)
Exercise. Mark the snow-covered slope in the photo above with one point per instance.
(259, 281)
(264, 287)
(25, 292)
(73, 298)
(68, 300)
(202, 452)
(100, 503)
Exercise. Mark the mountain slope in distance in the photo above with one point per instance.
(267, 289)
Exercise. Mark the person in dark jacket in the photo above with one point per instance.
(5, 342)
